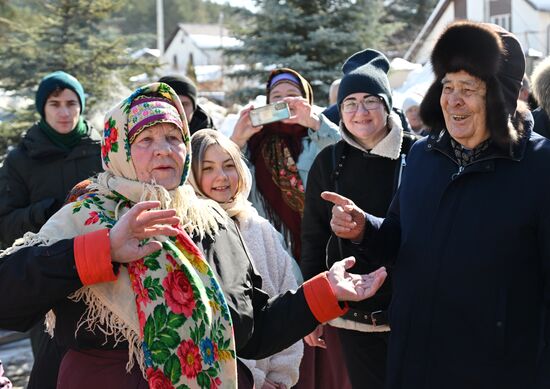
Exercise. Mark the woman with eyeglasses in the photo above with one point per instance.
(366, 167)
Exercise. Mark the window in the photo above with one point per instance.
(504, 20)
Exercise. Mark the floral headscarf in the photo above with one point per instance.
(168, 306)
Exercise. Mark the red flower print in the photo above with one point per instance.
(94, 218)
(215, 383)
(157, 379)
(178, 293)
(113, 135)
(184, 241)
(293, 181)
(172, 261)
(216, 352)
(190, 358)
(142, 294)
(141, 318)
(282, 172)
(137, 267)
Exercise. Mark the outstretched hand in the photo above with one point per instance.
(348, 220)
(139, 223)
(354, 287)
(315, 339)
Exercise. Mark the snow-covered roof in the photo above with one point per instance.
(206, 36)
(145, 51)
(204, 41)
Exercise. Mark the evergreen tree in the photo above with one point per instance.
(313, 38)
(410, 16)
(69, 35)
(138, 17)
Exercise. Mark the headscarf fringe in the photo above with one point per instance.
(28, 240)
(98, 316)
(202, 221)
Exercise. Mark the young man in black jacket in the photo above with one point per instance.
(55, 154)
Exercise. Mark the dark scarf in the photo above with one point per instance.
(274, 152)
(65, 141)
(466, 156)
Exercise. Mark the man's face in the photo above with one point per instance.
(62, 111)
(187, 107)
(463, 104)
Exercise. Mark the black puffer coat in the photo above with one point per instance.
(37, 176)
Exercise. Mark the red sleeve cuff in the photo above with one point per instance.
(321, 299)
(92, 255)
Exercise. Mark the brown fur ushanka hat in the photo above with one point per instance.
(490, 53)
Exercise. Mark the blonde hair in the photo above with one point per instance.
(200, 142)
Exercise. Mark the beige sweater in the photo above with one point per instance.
(275, 266)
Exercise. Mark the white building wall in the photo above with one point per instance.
(475, 10)
(530, 26)
(425, 50)
(176, 55)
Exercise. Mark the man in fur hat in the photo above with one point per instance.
(469, 229)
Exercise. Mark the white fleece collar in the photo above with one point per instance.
(389, 146)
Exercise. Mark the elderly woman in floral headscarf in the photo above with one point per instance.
(131, 295)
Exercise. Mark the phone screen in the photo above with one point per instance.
(270, 113)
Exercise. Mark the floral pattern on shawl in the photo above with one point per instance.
(168, 306)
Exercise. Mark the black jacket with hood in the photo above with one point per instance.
(370, 179)
(37, 176)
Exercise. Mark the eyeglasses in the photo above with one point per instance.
(369, 103)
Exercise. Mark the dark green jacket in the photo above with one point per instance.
(37, 176)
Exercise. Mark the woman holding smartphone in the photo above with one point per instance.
(281, 153)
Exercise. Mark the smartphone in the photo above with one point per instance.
(269, 113)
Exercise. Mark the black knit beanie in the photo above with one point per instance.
(486, 51)
(182, 86)
(366, 72)
(58, 80)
